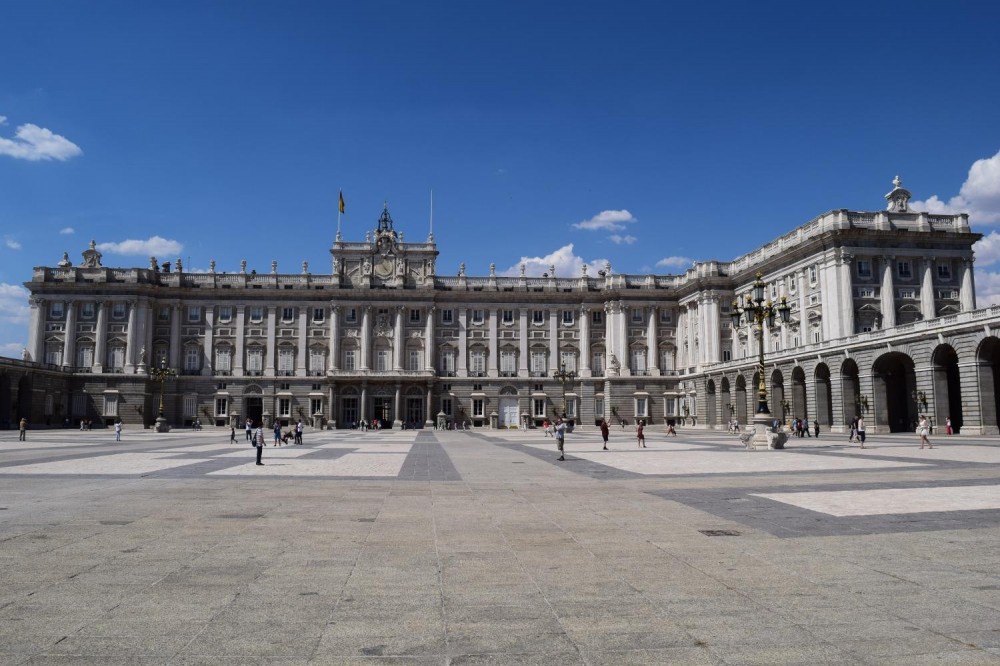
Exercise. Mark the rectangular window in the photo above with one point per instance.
(477, 407)
(110, 404)
(567, 317)
(116, 358)
(727, 355)
(284, 406)
(639, 362)
(907, 293)
(478, 316)
(508, 316)
(447, 360)
(538, 407)
(256, 314)
(947, 293)
(817, 336)
(446, 406)
(225, 313)
(671, 406)
(350, 315)
(864, 268)
(382, 360)
(287, 314)
(567, 360)
(221, 406)
(163, 314)
(539, 363)
(637, 316)
(415, 361)
(53, 354)
(192, 358)
(597, 364)
(118, 311)
(286, 361)
(56, 310)
(317, 361)
(571, 408)
(87, 311)
(944, 272)
(223, 360)
(642, 407)
(477, 365)
(537, 317)
(508, 363)
(447, 316)
(812, 275)
(597, 317)
(255, 361)
(666, 316)
(194, 313)
(315, 406)
(190, 406)
(667, 360)
(319, 315)
(414, 316)
(599, 407)
(903, 269)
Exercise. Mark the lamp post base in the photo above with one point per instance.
(161, 424)
(765, 437)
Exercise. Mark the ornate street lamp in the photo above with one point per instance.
(161, 375)
(564, 378)
(756, 312)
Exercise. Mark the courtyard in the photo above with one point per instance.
(441, 547)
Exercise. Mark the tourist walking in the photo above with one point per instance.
(947, 426)
(249, 426)
(22, 430)
(232, 434)
(560, 437)
(640, 438)
(258, 440)
(860, 427)
(118, 431)
(816, 428)
(604, 432)
(923, 428)
(298, 432)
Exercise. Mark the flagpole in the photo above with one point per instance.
(339, 213)
(430, 235)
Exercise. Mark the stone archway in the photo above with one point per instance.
(726, 400)
(710, 405)
(799, 401)
(776, 397)
(24, 398)
(893, 383)
(988, 370)
(947, 399)
(741, 399)
(850, 390)
(6, 407)
(824, 401)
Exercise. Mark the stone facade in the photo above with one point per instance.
(874, 296)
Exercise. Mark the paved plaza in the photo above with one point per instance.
(425, 547)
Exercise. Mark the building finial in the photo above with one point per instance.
(899, 198)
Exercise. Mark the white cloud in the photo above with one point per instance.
(608, 220)
(34, 143)
(155, 245)
(566, 263)
(12, 244)
(619, 240)
(987, 288)
(66, 231)
(987, 249)
(13, 304)
(3, 120)
(11, 349)
(675, 262)
(979, 195)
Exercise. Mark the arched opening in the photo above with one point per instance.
(508, 409)
(350, 408)
(741, 399)
(710, 405)
(24, 398)
(253, 404)
(988, 370)
(850, 390)
(824, 402)
(726, 400)
(947, 388)
(776, 400)
(893, 382)
(799, 402)
(5, 404)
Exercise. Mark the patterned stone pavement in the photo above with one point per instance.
(424, 547)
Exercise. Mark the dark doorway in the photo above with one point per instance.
(5, 404)
(255, 409)
(24, 398)
(824, 403)
(894, 382)
(741, 399)
(850, 391)
(382, 410)
(947, 388)
(711, 404)
(988, 367)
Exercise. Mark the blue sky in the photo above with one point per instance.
(647, 134)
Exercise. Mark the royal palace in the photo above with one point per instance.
(882, 323)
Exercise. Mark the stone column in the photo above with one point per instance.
(101, 337)
(301, 368)
(493, 353)
(69, 336)
(927, 308)
(553, 342)
(398, 404)
(585, 369)
(271, 353)
(429, 420)
(366, 337)
(363, 407)
(888, 301)
(240, 341)
(397, 342)
(36, 330)
(652, 357)
(130, 340)
(174, 355)
(968, 293)
(461, 368)
(713, 329)
(846, 324)
(208, 362)
(429, 340)
(334, 338)
(522, 343)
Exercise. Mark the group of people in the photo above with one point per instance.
(857, 431)
(295, 434)
(800, 428)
